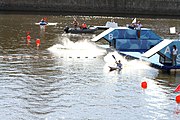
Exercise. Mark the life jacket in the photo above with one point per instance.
(84, 25)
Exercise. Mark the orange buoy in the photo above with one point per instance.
(178, 99)
(28, 37)
(144, 85)
(38, 41)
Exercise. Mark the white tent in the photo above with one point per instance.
(172, 30)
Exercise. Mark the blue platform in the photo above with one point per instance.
(149, 46)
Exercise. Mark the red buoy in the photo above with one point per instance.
(178, 99)
(28, 37)
(38, 41)
(144, 85)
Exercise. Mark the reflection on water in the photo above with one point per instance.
(68, 78)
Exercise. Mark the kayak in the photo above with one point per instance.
(46, 23)
(114, 68)
(79, 30)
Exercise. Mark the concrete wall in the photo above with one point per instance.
(167, 8)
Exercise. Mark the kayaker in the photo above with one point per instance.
(43, 21)
(119, 65)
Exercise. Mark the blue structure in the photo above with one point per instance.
(166, 55)
(126, 41)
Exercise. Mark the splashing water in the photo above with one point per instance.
(82, 48)
(109, 58)
(127, 65)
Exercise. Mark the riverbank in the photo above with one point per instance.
(123, 8)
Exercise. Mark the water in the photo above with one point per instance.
(67, 77)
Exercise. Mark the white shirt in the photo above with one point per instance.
(175, 51)
(138, 26)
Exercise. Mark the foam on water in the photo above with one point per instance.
(127, 65)
(81, 48)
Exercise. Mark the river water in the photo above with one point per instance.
(67, 77)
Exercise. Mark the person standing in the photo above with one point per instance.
(174, 55)
(138, 28)
(75, 23)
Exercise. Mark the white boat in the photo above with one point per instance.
(46, 23)
(108, 25)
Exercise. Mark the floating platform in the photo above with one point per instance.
(148, 46)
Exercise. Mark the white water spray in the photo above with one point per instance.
(127, 65)
(80, 49)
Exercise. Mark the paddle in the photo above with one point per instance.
(114, 58)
